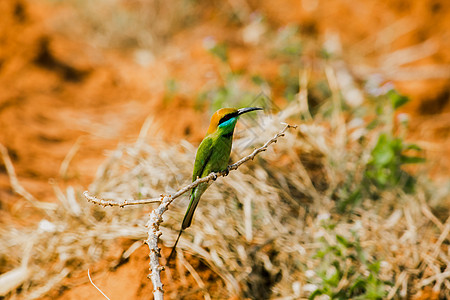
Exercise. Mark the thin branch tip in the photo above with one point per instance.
(120, 203)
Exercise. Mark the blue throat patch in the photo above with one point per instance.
(229, 123)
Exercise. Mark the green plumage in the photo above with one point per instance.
(213, 155)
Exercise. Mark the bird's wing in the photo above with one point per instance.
(203, 155)
(195, 198)
(202, 158)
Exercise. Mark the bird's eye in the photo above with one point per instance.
(224, 119)
(227, 117)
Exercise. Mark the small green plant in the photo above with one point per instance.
(384, 169)
(396, 99)
(344, 271)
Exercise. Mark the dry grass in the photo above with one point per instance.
(142, 26)
(263, 228)
(260, 229)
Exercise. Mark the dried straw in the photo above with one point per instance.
(258, 229)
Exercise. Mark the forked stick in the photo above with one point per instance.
(165, 200)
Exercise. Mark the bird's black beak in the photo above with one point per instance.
(247, 109)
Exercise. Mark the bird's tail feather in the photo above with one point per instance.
(172, 253)
(190, 212)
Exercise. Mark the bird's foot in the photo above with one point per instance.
(214, 177)
(226, 172)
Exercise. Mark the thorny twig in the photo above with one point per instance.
(210, 177)
(120, 203)
(156, 215)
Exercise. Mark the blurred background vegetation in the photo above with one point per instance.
(115, 95)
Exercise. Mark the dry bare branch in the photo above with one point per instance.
(210, 177)
(156, 215)
(155, 219)
(121, 203)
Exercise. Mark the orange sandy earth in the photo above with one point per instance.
(57, 89)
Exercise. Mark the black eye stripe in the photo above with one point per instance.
(227, 117)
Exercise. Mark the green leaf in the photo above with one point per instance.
(315, 294)
(383, 153)
(342, 240)
(413, 147)
(359, 283)
(375, 267)
(334, 279)
(397, 145)
(412, 159)
(373, 124)
(320, 254)
(220, 51)
(258, 80)
(397, 100)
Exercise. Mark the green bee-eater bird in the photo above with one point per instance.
(213, 155)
